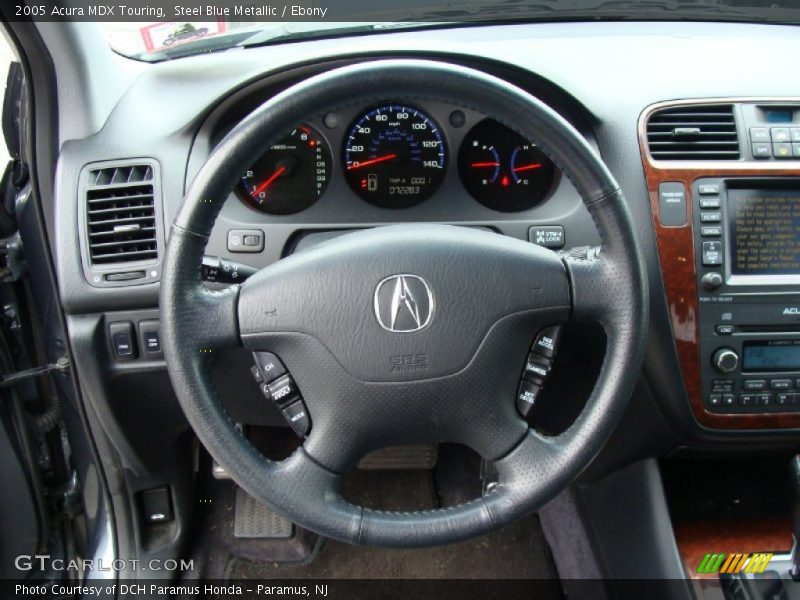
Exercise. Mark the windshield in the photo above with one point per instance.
(210, 27)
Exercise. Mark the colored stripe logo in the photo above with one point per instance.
(735, 563)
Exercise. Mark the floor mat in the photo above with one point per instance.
(516, 552)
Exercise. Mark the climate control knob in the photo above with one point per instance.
(725, 360)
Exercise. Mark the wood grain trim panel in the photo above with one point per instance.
(731, 536)
(676, 256)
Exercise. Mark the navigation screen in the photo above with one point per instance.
(764, 232)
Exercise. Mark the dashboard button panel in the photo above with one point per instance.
(150, 338)
(122, 340)
(755, 384)
(779, 134)
(759, 134)
(761, 150)
(711, 231)
(672, 204)
(782, 150)
(549, 236)
(245, 240)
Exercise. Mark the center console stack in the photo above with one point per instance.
(747, 255)
(723, 177)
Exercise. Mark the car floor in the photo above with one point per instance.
(518, 551)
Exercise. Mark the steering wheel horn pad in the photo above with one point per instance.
(475, 278)
(345, 316)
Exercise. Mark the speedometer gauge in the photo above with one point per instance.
(394, 156)
(291, 174)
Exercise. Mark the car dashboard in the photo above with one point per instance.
(413, 160)
(701, 133)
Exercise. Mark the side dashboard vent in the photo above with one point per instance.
(693, 133)
(122, 223)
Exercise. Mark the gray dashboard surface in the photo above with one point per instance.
(606, 73)
(613, 70)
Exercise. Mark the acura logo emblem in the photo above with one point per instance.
(403, 303)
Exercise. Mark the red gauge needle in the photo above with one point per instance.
(478, 165)
(529, 167)
(278, 172)
(371, 161)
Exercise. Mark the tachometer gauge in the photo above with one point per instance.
(394, 156)
(502, 170)
(290, 176)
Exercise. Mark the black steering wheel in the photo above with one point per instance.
(484, 297)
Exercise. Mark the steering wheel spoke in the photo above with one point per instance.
(208, 319)
(528, 475)
(590, 283)
(301, 477)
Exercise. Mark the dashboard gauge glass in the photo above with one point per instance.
(502, 170)
(394, 156)
(291, 175)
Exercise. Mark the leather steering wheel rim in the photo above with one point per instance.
(610, 288)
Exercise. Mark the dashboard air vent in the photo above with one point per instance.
(121, 215)
(693, 133)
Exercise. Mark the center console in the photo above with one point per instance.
(724, 186)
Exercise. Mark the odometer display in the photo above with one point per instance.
(394, 156)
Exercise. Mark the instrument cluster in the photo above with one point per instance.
(396, 155)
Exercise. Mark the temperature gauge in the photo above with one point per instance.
(502, 170)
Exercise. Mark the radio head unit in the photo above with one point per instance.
(747, 257)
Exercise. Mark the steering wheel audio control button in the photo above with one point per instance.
(526, 397)
(269, 366)
(283, 390)
(297, 416)
(547, 341)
